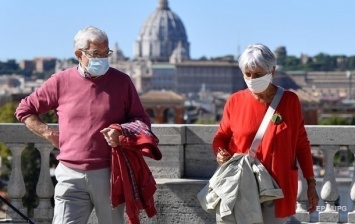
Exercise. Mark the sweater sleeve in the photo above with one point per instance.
(40, 101)
(224, 132)
(135, 109)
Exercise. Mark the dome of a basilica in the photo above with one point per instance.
(160, 35)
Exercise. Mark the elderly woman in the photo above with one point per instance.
(285, 141)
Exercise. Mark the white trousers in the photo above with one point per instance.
(78, 192)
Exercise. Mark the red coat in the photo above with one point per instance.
(132, 181)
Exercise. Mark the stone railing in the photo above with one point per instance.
(186, 166)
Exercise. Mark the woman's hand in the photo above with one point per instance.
(222, 156)
(312, 196)
(111, 136)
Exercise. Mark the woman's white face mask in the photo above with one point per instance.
(259, 85)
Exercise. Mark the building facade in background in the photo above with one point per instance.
(162, 59)
(161, 63)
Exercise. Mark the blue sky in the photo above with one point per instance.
(37, 28)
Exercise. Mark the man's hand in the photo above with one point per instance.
(111, 136)
(37, 126)
(53, 137)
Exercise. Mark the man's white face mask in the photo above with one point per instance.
(98, 66)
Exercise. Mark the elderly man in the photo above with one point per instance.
(87, 99)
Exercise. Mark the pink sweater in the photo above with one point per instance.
(84, 106)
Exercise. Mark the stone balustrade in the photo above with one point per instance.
(186, 166)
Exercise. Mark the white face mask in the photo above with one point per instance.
(258, 85)
(98, 66)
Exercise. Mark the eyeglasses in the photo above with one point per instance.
(95, 54)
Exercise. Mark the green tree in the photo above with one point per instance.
(340, 62)
(5, 160)
(10, 67)
(7, 113)
(352, 122)
(31, 165)
(6, 116)
(323, 62)
(49, 117)
(293, 63)
(334, 120)
(205, 121)
(351, 63)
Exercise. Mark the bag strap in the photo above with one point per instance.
(264, 124)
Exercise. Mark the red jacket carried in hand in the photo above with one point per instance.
(132, 181)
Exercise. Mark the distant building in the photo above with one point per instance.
(162, 59)
(164, 107)
(332, 93)
(215, 75)
(44, 64)
(10, 84)
(39, 64)
(27, 65)
(63, 64)
(14, 87)
(161, 62)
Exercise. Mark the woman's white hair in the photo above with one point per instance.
(87, 35)
(257, 55)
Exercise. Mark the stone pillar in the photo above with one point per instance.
(302, 200)
(44, 211)
(16, 187)
(329, 192)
